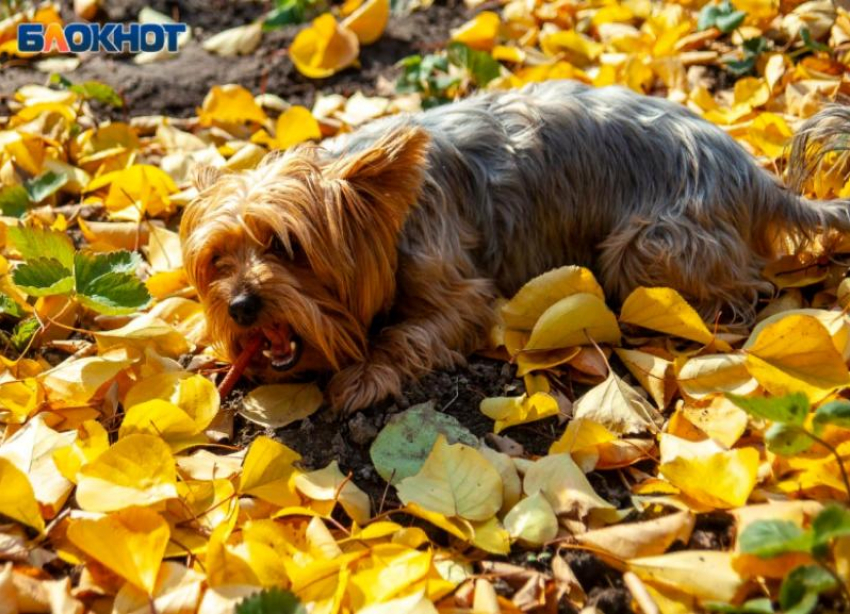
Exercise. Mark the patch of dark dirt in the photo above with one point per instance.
(175, 87)
(603, 584)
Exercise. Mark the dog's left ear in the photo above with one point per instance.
(388, 174)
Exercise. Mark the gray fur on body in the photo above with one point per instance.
(640, 189)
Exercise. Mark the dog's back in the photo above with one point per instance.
(639, 188)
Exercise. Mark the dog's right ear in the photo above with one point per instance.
(204, 176)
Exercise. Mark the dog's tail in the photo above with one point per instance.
(824, 133)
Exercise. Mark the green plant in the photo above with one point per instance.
(435, 76)
(271, 601)
(106, 282)
(789, 435)
(722, 16)
(289, 12)
(15, 200)
(90, 90)
(802, 587)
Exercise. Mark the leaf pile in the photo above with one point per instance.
(121, 489)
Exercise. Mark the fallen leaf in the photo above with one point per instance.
(456, 480)
(277, 405)
(324, 48)
(618, 407)
(723, 480)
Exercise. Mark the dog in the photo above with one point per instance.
(378, 256)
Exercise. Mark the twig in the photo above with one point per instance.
(239, 365)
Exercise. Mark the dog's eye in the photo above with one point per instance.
(217, 261)
(277, 248)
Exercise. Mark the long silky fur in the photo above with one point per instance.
(420, 220)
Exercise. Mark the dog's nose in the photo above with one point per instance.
(245, 308)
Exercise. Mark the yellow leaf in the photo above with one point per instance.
(580, 49)
(510, 411)
(130, 543)
(369, 20)
(639, 539)
(480, 32)
(722, 420)
(532, 521)
(230, 104)
(528, 362)
(394, 568)
(511, 484)
(164, 253)
(145, 332)
(267, 472)
(770, 134)
(92, 441)
(705, 574)
(751, 91)
(455, 480)
(563, 484)
(177, 590)
(796, 354)
(572, 321)
(277, 405)
(723, 480)
(77, 381)
(31, 450)
(702, 376)
(20, 399)
(329, 484)
(664, 310)
(17, 499)
(539, 294)
(652, 373)
(324, 48)
(137, 190)
(136, 470)
(163, 419)
(294, 126)
(193, 394)
(618, 407)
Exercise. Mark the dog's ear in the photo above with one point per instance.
(389, 173)
(204, 176)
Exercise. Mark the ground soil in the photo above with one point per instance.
(177, 86)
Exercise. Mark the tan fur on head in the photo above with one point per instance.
(314, 239)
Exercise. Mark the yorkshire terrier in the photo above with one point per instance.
(378, 256)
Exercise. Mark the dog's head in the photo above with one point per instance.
(302, 249)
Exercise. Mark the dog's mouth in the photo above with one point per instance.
(281, 347)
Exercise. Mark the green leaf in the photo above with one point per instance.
(44, 185)
(108, 283)
(115, 294)
(9, 306)
(271, 601)
(708, 17)
(35, 243)
(741, 67)
(43, 277)
(23, 332)
(787, 440)
(753, 606)
(801, 588)
(790, 409)
(14, 201)
(730, 22)
(95, 90)
(832, 522)
(402, 446)
(480, 64)
(770, 538)
(834, 412)
(812, 44)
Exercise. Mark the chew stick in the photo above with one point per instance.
(239, 365)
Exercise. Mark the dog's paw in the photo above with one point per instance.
(361, 386)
